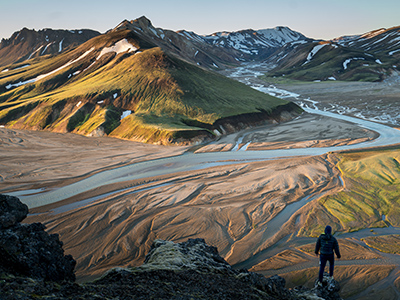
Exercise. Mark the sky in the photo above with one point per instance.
(319, 19)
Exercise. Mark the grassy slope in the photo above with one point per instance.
(165, 94)
(386, 243)
(372, 189)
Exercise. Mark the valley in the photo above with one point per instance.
(144, 133)
(249, 204)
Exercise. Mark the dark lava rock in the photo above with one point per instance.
(12, 211)
(27, 249)
(329, 290)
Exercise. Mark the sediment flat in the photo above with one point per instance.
(247, 207)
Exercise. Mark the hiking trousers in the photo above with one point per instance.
(323, 258)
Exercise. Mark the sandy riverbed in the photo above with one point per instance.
(231, 206)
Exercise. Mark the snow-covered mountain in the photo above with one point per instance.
(372, 56)
(29, 43)
(381, 41)
(255, 43)
(217, 50)
(375, 53)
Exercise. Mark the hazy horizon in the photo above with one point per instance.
(319, 19)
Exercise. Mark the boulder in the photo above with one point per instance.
(27, 249)
(12, 211)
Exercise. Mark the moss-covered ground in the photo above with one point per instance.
(370, 196)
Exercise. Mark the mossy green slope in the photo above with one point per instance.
(82, 92)
(370, 198)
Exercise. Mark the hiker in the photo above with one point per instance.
(326, 244)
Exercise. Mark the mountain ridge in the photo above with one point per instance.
(155, 85)
(127, 85)
(29, 43)
(372, 56)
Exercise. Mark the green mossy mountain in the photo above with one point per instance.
(163, 98)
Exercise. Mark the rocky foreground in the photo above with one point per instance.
(33, 266)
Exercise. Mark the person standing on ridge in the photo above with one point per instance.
(326, 244)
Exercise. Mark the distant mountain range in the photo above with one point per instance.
(155, 85)
(369, 57)
(133, 82)
(27, 43)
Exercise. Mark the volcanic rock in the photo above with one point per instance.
(12, 211)
(27, 249)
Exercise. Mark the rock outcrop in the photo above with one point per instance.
(27, 249)
(32, 266)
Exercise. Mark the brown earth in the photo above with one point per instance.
(235, 207)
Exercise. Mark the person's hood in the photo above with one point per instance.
(328, 230)
(326, 236)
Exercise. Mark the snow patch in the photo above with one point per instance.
(24, 66)
(154, 31)
(101, 101)
(38, 49)
(45, 48)
(60, 45)
(5, 70)
(66, 65)
(119, 47)
(347, 61)
(79, 103)
(378, 61)
(9, 86)
(332, 78)
(380, 40)
(125, 114)
(115, 95)
(299, 42)
(393, 52)
(313, 52)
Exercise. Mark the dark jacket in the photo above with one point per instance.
(326, 244)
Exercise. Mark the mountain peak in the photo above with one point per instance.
(143, 22)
